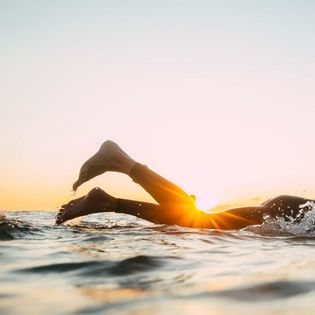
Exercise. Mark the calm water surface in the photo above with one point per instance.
(117, 264)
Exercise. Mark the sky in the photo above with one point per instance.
(217, 96)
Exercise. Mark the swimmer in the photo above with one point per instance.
(174, 206)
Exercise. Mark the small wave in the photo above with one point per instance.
(63, 267)
(267, 291)
(95, 238)
(131, 265)
(102, 226)
(13, 229)
(136, 264)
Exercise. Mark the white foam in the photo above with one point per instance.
(289, 226)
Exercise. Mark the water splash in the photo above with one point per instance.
(302, 224)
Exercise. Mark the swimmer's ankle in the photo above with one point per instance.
(101, 201)
(117, 157)
(129, 166)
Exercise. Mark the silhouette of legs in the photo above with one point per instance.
(174, 206)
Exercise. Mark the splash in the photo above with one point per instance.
(301, 225)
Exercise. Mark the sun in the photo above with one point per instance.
(206, 202)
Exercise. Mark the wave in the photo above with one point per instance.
(263, 291)
(13, 229)
(136, 264)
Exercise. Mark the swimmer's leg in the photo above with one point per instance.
(111, 157)
(173, 201)
(97, 201)
(228, 220)
(162, 190)
(175, 205)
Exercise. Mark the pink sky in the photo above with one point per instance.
(218, 96)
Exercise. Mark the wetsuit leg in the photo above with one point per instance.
(148, 211)
(287, 207)
(175, 206)
(162, 190)
(228, 220)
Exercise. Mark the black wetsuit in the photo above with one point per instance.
(176, 207)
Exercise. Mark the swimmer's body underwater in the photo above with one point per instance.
(175, 206)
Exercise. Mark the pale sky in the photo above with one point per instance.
(217, 96)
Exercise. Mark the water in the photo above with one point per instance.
(117, 264)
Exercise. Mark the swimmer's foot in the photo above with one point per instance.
(110, 157)
(95, 201)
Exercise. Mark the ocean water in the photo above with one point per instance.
(117, 264)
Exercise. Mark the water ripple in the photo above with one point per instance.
(128, 266)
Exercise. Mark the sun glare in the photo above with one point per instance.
(204, 202)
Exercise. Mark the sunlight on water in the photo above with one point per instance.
(113, 263)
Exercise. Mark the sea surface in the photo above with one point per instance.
(117, 264)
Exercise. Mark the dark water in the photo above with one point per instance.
(116, 264)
